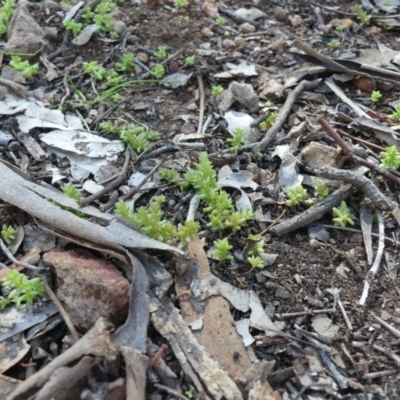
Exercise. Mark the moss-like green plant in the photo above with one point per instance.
(322, 191)
(187, 231)
(8, 233)
(112, 78)
(169, 174)
(396, 114)
(342, 215)
(6, 12)
(265, 125)
(110, 127)
(390, 158)
(139, 137)
(237, 141)
(23, 290)
(74, 27)
(94, 69)
(341, 28)
(127, 62)
(220, 21)
(296, 196)
(181, 3)
(24, 67)
(150, 221)
(71, 191)
(161, 53)
(255, 262)
(222, 249)
(218, 203)
(158, 72)
(216, 90)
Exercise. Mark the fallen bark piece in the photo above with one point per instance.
(169, 323)
(89, 287)
(38, 202)
(218, 334)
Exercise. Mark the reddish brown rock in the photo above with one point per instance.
(210, 8)
(143, 57)
(246, 28)
(296, 21)
(89, 287)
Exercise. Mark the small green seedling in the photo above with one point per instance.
(390, 158)
(181, 3)
(237, 141)
(334, 43)
(24, 67)
(396, 114)
(322, 191)
(222, 249)
(220, 21)
(161, 53)
(94, 69)
(127, 62)
(116, 98)
(255, 262)
(71, 191)
(23, 290)
(158, 71)
(265, 125)
(258, 247)
(8, 233)
(342, 215)
(376, 96)
(87, 13)
(109, 127)
(74, 27)
(105, 22)
(364, 19)
(341, 28)
(227, 34)
(189, 61)
(296, 196)
(216, 90)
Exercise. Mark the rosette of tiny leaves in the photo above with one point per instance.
(8, 233)
(296, 195)
(256, 262)
(237, 141)
(71, 191)
(342, 215)
(258, 247)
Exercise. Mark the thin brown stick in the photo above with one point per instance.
(156, 356)
(62, 311)
(284, 113)
(352, 157)
(87, 200)
(274, 223)
(14, 260)
(202, 100)
(136, 189)
(373, 145)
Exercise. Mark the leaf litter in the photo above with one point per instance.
(320, 319)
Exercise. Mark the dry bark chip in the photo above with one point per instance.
(89, 287)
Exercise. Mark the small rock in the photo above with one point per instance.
(25, 35)
(239, 41)
(325, 29)
(228, 44)
(365, 84)
(247, 28)
(89, 287)
(296, 21)
(282, 293)
(207, 32)
(210, 9)
(117, 14)
(317, 155)
(120, 27)
(280, 14)
(276, 46)
(272, 90)
(142, 57)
